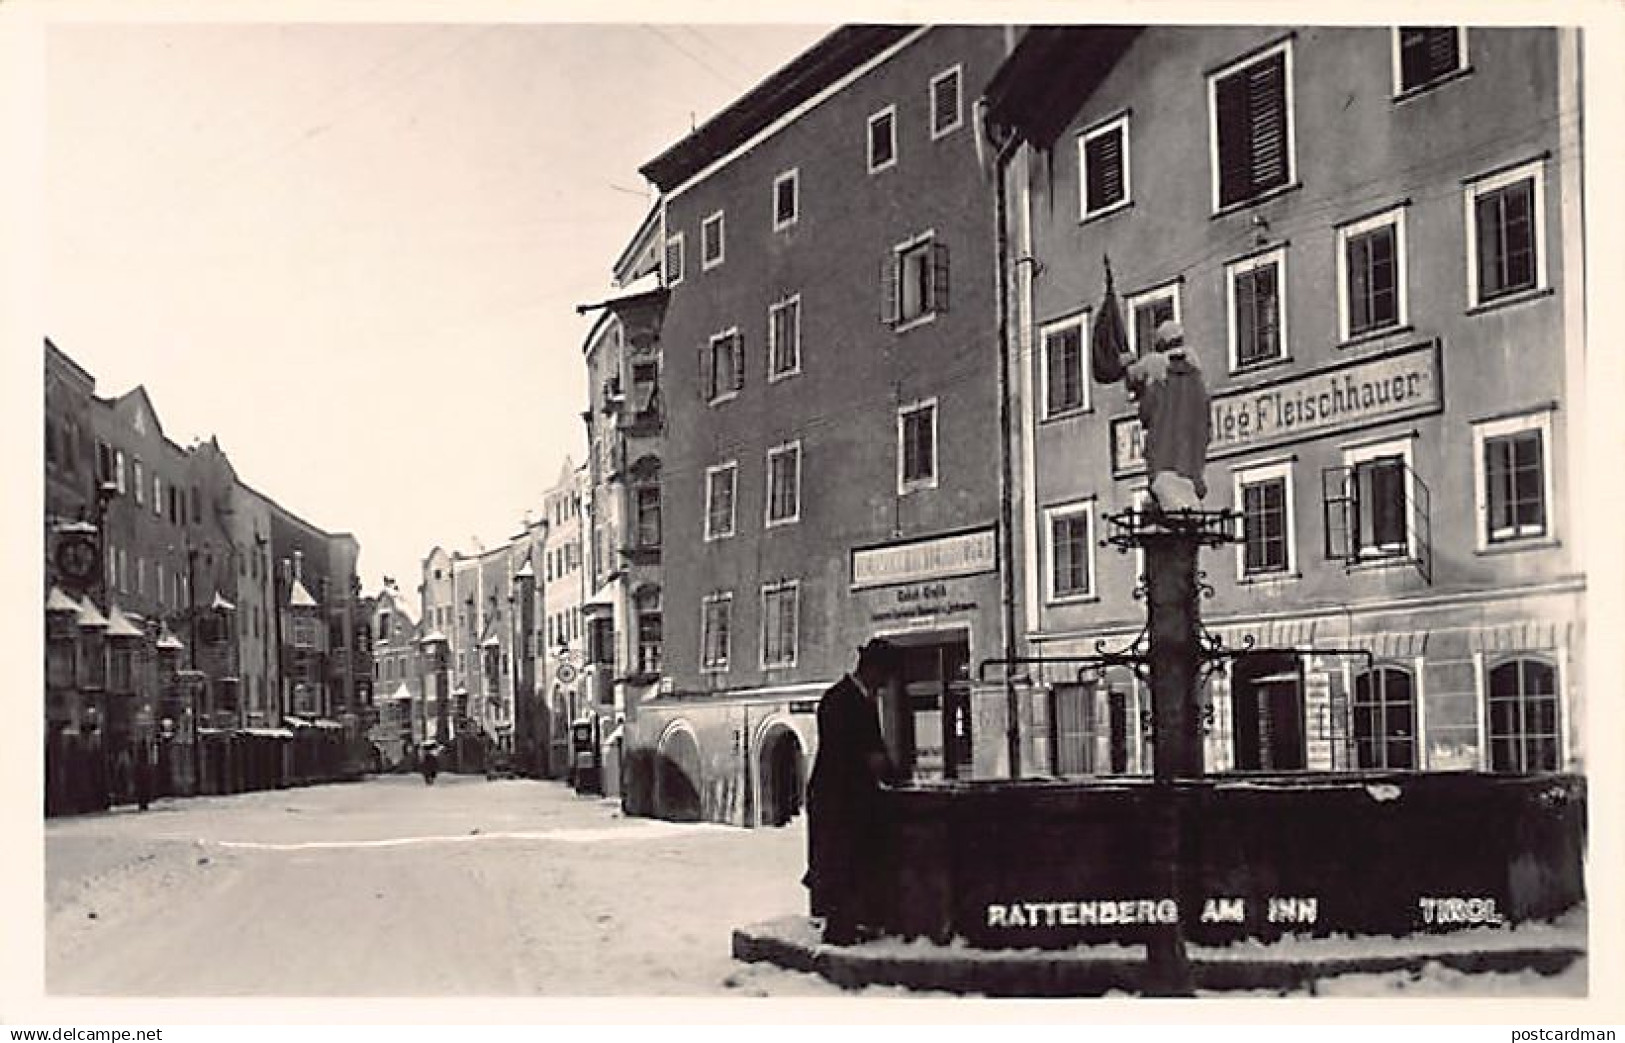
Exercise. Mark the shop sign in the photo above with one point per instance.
(1392, 386)
(939, 557)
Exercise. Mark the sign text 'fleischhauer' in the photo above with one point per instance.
(1392, 386)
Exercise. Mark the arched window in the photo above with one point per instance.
(1523, 717)
(1385, 719)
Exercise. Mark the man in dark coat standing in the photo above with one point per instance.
(846, 834)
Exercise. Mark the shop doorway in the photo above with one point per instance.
(930, 717)
(1267, 697)
(780, 770)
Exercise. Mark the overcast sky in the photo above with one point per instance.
(352, 253)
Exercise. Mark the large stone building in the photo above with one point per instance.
(831, 459)
(164, 651)
(1372, 239)
(404, 721)
(483, 609)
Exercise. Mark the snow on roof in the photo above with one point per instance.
(400, 694)
(169, 642)
(119, 625)
(89, 616)
(299, 597)
(491, 642)
(220, 604)
(56, 601)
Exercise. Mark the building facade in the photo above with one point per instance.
(563, 592)
(831, 459)
(484, 609)
(1371, 237)
(166, 673)
(403, 721)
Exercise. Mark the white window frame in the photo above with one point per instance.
(937, 133)
(1540, 421)
(1277, 257)
(1155, 293)
(1257, 473)
(924, 243)
(1285, 47)
(794, 587)
(1098, 131)
(1081, 321)
(719, 219)
(906, 486)
(1085, 509)
(716, 393)
(774, 375)
(1536, 169)
(1464, 63)
(793, 176)
(1401, 447)
(675, 239)
(792, 447)
(1345, 316)
(889, 112)
(721, 597)
(731, 466)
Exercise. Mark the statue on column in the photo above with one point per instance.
(1166, 381)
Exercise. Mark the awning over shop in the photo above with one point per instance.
(327, 725)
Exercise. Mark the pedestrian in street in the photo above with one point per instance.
(143, 775)
(846, 835)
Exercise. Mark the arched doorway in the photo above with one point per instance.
(783, 779)
(677, 774)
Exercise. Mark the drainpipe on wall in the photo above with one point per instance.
(1007, 582)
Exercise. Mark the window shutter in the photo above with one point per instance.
(1104, 155)
(1231, 102)
(1442, 56)
(705, 373)
(1487, 212)
(939, 276)
(889, 266)
(1266, 105)
(737, 345)
(945, 110)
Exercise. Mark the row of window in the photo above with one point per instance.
(781, 608)
(1371, 507)
(916, 470)
(914, 288)
(1506, 258)
(1381, 725)
(947, 116)
(1250, 122)
(132, 481)
(62, 445)
(563, 628)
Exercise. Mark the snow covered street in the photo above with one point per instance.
(389, 887)
(473, 888)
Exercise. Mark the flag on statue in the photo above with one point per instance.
(1108, 339)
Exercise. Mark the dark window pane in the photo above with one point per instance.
(1103, 156)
